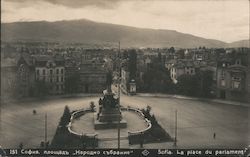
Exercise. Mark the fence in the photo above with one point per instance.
(87, 138)
(135, 136)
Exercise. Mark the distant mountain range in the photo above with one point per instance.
(85, 31)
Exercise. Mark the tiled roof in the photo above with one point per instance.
(41, 60)
(8, 62)
(27, 58)
(91, 68)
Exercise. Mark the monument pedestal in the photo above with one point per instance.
(108, 124)
(109, 115)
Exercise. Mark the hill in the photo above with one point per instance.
(85, 31)
(241, 43)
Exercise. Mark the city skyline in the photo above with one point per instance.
(222, 20)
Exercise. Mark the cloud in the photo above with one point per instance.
(105, 4)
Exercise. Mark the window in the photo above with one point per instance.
(43, 71)
(57, 79)
(235, 78)
(192, 71)
(50, 80)
(238, 62)
(61, 71)
(37, 72)
(51, 71)
(57, 71)
(223, 83)
(223, 74)
(44, 78)
(61, 79)
(236, 82)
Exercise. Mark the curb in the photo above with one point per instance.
(194, 98)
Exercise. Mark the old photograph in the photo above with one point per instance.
(125, 74)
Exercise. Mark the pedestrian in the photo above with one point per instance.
(214, 135)
(21, 145)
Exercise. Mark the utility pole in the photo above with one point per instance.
(119, 95)
(45, 131)
(119, 117)
(175, 138)
(0, 113)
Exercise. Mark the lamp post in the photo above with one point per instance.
(45, 131)
(175, 138)
(119, 99)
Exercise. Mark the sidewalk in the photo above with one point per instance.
(160, 95)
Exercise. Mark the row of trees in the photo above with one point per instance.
(199, 85)
(157, 79)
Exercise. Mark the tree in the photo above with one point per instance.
(72, 83)
(132, 64)
(42, 88)
(157, 79)
(199, 84)
(65, 117)
(148, 108)
(205, 83)
(181, 53)
(92, 106)
(171, 50)
(187, 85)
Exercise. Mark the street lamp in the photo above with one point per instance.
(119, 95)
(175, 138)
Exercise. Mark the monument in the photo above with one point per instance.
(109, 114)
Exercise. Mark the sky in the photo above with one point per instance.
(225, 20)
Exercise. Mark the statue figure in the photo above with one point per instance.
(109, 111)
(109, 81)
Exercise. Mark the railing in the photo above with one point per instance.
(75, 115)
(81, 112)
(148, 122)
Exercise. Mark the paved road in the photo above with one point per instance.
(197, 121)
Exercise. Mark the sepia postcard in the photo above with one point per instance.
(153, 76)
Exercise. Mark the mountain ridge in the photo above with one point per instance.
(87, 31)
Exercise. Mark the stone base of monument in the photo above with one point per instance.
(108, 124)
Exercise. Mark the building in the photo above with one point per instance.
(182, 67)
(232, 79)
(26, 75)
(248, 78)
(71, 67)
(92, 77)
(169, 64)
(50, 71)
(8, 79)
